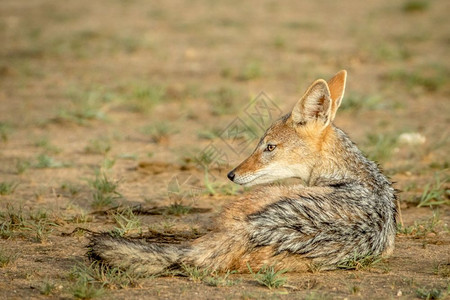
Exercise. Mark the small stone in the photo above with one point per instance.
(399, 293)
(411, 138)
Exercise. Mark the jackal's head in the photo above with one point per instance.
(292, 146)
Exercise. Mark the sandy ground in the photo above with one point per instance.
(140, 91)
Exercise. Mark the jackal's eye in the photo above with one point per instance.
(270, 147)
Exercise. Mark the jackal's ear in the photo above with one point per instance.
(337, 89)
(314, 105)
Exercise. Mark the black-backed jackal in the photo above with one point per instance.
(345, 207)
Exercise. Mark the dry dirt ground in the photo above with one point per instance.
(107, 105)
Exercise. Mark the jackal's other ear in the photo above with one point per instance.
(337, 89)
(314, 105)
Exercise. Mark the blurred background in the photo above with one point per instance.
(156, 86)
(106, 103)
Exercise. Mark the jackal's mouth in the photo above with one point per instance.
(272, 173)
(247, 180)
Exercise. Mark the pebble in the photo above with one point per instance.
(411, 138)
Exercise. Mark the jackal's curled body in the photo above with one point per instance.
(345, 208)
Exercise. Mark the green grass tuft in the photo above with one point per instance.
(143, 98)
(250, 71)
(71, 188)
(5, 131)
(435, 193)
(6, 257)
(98, 146)
(196, 274)
(442, 270)
(357, 102)
(104, 191)
(159, 132)
(47, 146)
(430, 78)
(103, 184)
(100, 275)
(267, 276)
(360, 262)
(7, 188)
(209, 134)
(219, 188)
(36, 223)
(422, 228)
(429, 294)
(85, 106)
(416, 6)
(44, 161)
(47, 287)
(379, 147)
(217, 280)
(42, 230)
(126, 221)
(177, 209)
(223, 101)
(22, 166)
(84, 289)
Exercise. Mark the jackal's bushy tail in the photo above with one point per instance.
(134, 255)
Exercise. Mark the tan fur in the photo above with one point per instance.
(231, 226)
(337, 89)
(345, 207)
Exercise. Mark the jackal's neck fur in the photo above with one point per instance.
(347, 164)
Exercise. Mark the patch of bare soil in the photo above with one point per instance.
(110, 111)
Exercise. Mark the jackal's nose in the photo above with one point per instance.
(231, 175)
